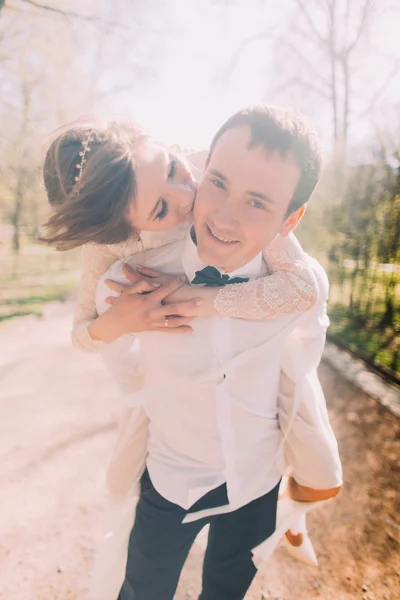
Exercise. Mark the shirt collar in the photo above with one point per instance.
(191, 262)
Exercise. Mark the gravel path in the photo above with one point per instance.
(57, 428)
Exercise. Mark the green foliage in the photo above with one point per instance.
(357, 238)
(34, 277)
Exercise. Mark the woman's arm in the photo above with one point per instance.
(96, 260)
(290, 288)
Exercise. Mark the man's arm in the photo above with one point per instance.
(310, 445)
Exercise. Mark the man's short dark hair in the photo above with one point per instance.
(288, 132)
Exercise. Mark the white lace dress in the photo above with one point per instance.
(289, 288)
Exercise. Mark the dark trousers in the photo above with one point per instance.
(160, 542)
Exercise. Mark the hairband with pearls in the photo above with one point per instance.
(85, 149)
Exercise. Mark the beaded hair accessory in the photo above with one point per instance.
(85, 149)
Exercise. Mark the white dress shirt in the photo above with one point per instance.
(211, 396)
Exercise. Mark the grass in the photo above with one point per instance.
(366, 336)
(39, 275)
(35, 277)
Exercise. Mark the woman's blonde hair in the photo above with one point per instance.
(90, 203)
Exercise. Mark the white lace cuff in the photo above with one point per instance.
(279, 294)
(82, 339)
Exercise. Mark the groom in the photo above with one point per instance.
(213, 454)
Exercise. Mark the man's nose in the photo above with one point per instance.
(224, 218)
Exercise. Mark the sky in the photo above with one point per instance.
(188, 99)
(183, 49)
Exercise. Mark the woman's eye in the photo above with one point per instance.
(218, 183)
(257, 204)
(163, 210)
(173, 165)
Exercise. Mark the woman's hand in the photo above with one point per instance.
(150, 275)
(205, 296)
(184, 297)
(139, 307)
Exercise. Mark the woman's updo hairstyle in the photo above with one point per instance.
(91, 191)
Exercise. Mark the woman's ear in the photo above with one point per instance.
(292, 221)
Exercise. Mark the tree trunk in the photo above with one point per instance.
(16, 218)
(388, 316)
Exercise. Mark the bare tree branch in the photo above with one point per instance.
(266, 35)
(61, 12)
(361, 27)
(331, 8)
(380, 91)
(310, 85)
(311, 24)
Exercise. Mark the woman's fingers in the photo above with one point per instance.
(147, 272)
(137, 288)
(117, 287)
(175, 330)
(171, 322)
(130, 273)
(186, 308)
(162, 292)
(141, 287)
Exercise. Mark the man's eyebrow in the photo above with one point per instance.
(261, 197)
(218, 174)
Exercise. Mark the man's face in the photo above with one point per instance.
(242, 202)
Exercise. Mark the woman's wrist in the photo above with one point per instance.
(190, 292)
(104, 329)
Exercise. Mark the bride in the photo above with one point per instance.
(99, 206)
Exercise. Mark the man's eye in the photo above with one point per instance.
(258, 204)
(173, 165)
(218, 183)
(163, 210)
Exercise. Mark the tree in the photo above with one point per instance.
(49, 8)
(45, 85)
(318, 54)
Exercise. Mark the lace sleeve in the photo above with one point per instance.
(96, 260)
(290, 288)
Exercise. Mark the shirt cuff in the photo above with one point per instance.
(82, 339)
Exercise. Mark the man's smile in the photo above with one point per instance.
(220, 238)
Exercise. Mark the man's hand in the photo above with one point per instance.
(301, 493)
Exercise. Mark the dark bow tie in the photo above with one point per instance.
(211, 276)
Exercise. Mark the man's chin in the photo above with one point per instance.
(212, 258)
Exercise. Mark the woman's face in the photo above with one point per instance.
(165, 189)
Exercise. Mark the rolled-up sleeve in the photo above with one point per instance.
(121, 358)
(310, 444)
(310, 447)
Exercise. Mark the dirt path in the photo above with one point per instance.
(57, 426)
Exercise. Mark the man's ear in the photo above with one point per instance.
(292, 221)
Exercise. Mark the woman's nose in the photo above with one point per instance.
(185, 193)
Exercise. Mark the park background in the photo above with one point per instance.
(180, 68)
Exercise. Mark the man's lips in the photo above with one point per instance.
(220, 238)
